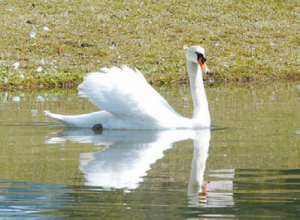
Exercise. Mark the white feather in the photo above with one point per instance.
(125, 92)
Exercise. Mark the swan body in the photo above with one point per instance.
(129, 102)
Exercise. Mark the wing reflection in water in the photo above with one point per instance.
(129, 154)
(127, 157)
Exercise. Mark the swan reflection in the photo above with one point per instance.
(129, 154)
(127, 157)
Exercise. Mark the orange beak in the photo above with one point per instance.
(203, 65)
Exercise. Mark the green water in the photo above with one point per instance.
(249, 160)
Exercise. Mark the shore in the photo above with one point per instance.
(49, 44)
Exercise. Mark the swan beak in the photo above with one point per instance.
(202, 63)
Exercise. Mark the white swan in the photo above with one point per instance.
(129, 102)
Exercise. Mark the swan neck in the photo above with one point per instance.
(201, 112)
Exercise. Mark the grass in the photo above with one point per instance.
(244, 40)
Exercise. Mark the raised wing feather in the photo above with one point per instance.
(125, 92)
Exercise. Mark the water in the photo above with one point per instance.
(246, 166)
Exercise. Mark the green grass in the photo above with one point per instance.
(244, 40)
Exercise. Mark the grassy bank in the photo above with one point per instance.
(244, 40)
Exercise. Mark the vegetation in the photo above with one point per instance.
(244, 40)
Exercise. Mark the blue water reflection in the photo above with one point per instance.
(22, 200)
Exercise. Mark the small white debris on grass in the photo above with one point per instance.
(16, 99)
(32, 35)
(40, 98)
(185, 47)
(46, 29)
(39, 69)
(16, 65)
(113, 47)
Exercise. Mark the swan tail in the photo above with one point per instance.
(81, 121)
(55, 116)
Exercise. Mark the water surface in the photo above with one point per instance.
(246, 166)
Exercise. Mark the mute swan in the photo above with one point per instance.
(129, 102)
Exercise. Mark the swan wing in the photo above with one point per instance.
(125, 92)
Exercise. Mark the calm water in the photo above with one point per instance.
(246, 166)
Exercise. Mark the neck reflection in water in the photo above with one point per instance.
(129, 154)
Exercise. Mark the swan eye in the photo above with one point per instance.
(200, 55)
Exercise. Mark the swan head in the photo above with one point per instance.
(196, 54)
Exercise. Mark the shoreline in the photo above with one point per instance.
(208, 82)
